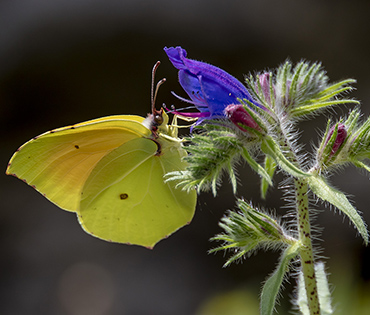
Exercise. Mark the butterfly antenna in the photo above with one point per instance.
(154, 92)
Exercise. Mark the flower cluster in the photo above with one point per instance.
(245, 118)
(257, 121)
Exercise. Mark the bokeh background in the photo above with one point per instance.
(63, 62)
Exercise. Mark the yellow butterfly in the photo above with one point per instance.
(110, 172)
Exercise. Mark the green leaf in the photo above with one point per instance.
(270, 147)
(270, 167)
(335, 88)
(327, 193)
(307, 109)
(273, 284)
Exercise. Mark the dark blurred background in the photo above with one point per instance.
(63, 62)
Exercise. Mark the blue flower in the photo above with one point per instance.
(210, 89)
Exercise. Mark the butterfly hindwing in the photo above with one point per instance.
(126, 200)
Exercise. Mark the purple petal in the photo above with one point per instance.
(210, 88)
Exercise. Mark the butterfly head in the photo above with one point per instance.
(157, 122)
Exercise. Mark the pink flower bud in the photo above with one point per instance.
(341, 136)
(238, 115)
(264, 80)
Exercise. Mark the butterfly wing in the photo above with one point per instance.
(57, 163)
(126, 200)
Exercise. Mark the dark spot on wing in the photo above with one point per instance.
(123, 196)
(77, 146)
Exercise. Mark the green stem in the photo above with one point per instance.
(306, 253)
(304, 231)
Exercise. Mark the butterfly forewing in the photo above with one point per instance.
(57, 163)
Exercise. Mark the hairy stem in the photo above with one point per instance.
(304, 231)
(306, 253)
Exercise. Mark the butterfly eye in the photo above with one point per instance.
(158, 119)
